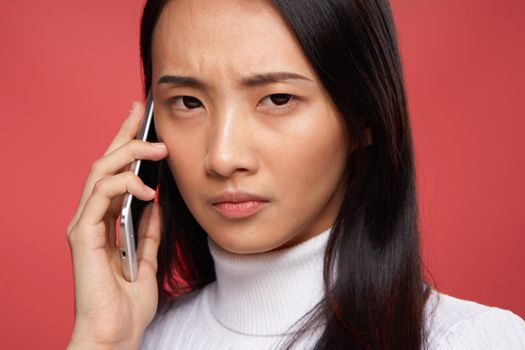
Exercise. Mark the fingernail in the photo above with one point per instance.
(158, 144)
(149, 189)
(133, 105)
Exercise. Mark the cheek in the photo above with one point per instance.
(185, 160)
(310, 159)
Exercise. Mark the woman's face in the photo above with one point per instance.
(255, 119)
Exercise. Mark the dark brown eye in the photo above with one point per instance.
(280, 99)
(191, 102)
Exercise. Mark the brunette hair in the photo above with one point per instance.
(378, 296)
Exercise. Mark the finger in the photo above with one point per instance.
(111, 223)
(115, 162)
(121, 157)
(149, 240)
(103, 192)
(127, 131)
(129, 128)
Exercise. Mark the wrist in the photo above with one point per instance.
(80, 343)
(84, 344)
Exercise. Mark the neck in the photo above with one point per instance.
(266, 293)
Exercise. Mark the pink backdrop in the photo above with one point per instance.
(71, 69)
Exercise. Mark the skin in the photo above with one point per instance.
(229, 136)
(234, 137)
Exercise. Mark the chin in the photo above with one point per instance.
(245, 241)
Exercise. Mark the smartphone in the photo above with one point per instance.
(133, 207)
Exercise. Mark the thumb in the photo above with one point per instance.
(149, 240)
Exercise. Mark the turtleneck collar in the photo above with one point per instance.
(266, 293)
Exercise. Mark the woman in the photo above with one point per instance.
(286, 212)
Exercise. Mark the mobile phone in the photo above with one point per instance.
(132, 207)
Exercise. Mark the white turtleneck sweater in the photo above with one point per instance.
(258, 297)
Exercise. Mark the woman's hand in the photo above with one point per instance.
(111, 312)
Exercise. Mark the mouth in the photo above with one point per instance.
(238, 204)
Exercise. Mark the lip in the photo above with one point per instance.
(238, 204)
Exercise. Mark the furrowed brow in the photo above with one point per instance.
(182, 81)
(254, 80)
(272, 77)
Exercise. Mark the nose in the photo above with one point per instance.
(231, 147)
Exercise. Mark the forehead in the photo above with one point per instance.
(231, 36)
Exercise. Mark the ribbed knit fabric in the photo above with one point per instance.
(457, 324)
(258, 297)
(277, 287)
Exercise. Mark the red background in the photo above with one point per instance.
(69, 71)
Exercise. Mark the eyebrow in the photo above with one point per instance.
(254, 80)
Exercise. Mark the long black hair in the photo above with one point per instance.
(377, 297)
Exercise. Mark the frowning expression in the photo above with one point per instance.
(246, 120)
